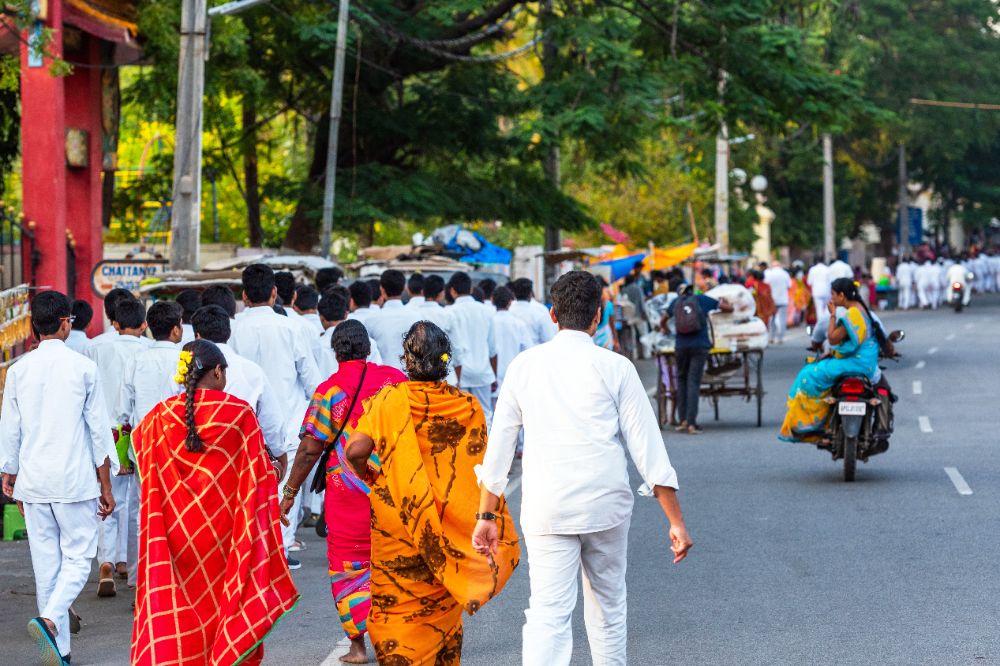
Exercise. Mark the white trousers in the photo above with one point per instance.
(927, 292)
(62, 539)
(484, 394)
(554, 563)
(294, 514)
(905, 296)
(119, 533)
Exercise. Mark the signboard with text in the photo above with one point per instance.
(124, 273)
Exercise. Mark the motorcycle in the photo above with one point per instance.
(957, 296)
(861, 420)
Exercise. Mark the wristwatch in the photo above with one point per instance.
(488, 515)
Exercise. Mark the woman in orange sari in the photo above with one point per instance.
(420, 441)
(213, 579)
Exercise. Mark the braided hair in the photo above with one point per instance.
(849, 288)
(203, 357)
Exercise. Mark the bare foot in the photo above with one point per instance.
(357, 654)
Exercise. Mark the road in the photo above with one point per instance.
(791, 565)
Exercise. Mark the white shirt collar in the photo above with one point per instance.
(464, 299)
(392, 304)
(164, 344)
(54, 342)
(571, 335)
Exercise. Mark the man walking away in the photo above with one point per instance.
(904, 283)
(433, 310)
(581, 407)
(391, 323)
(82, 315)
(474, 344)
(190, 300)
(111, 301)
(118, 548)
(223, 297)
(306, 300)
(415, 290)
(332, 312)
(512, 336)
(780, 282)
(524, 308)
(361, 302)
(56, 458)
(693, 342)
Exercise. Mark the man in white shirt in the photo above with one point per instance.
(361, 302)
(306, 300)
(284, 281)
(819, 284)
(904, 282)
(190, 300)
(958, 273)
(118, 548)
(56, 458)
(487, 286)
(581, 406)
(512, 336)
(149, 375)
(392, 322)
(222, 296)
(928, 279)
(245, 380)
(111, 301)
(840, 269)
(333, 311)
(780, 282)
(82, 316)
(532, 313)
(276, 344)
(473, 343)
(415, 290)
(432, 310)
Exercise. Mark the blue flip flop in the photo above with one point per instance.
(46, 642)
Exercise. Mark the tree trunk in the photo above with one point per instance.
(303, 229)
(250, 172)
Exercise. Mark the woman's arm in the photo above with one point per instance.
(310, 449)
(359, 448)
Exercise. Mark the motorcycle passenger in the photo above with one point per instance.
(855, 337)
(959, 274)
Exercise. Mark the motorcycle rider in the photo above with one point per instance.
(959, 274)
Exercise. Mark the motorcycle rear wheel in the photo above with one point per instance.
(850, 457)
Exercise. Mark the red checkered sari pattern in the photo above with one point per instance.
(213, 580)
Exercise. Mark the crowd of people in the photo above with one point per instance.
(185, 447)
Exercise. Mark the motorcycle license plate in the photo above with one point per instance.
(851, 408)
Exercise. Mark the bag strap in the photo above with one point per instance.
(319, 480)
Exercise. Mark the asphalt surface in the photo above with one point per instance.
(790, 566)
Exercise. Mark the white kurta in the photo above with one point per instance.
(512, 338)
(364, 314)
(329, 364)
(78, 342)
(388, 328)
(435, 313)
(147, 381)
(247, 381)
(112, 355)
(538, 322)
(474, 343)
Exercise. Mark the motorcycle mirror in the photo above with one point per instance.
(897, 336)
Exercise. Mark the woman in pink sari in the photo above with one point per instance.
(336, 406)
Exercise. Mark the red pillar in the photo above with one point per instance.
(43, 156)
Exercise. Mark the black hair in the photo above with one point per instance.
(130, 314)
(415, 285)
(522, 288)
(341, 291)
(361, 294)
(222, 296)
(48, 310)
(426, 352)
(258, 283)
(350, 341)
(392, 282)
(83, 314)
(502, 298)
(285, 282)
(190, 300)
(162, 317)
(211, 322)
(374, 288)
(332, 307)
(487, 285)
(576, 300)
(629, 279)
(306, 297)
(205, 358)
(461, 283)
(849, 289)
(328, 277)
(675, 285)
(433, 286)
(113, 298)
(478, 294)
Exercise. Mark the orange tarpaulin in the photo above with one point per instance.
(657, 260)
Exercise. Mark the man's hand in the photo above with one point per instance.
(8, 484)
(283, 508)
(485, 538)
(20, 507)
(105, 503)
(680, 542)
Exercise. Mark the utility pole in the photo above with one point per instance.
(336, 102)
(829, 221)
(185, 222)
(904, 204)
(552, 164)
(722, 179)
(185, 212)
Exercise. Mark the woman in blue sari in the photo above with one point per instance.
(855, 337)
(606, 336)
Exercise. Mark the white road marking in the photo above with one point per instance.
(950, 337)
(932, 350)
(969, 327)
(921, 365)
(925, 424)
(918, 387)
(960, 485)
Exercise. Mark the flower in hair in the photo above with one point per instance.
(183, 366)
(445, 357)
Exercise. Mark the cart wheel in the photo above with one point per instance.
(715, 406)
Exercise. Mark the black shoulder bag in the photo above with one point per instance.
(319, 480)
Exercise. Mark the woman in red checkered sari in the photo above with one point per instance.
(213, 580)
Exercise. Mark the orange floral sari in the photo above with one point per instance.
(428, 437)
(213, 580)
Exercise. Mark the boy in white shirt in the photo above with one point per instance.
(392, 322)
(82, 315)
(333, 311)
(190, 300)
(56, 458)
(474, 343)
(512, 335)
(149, 375)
